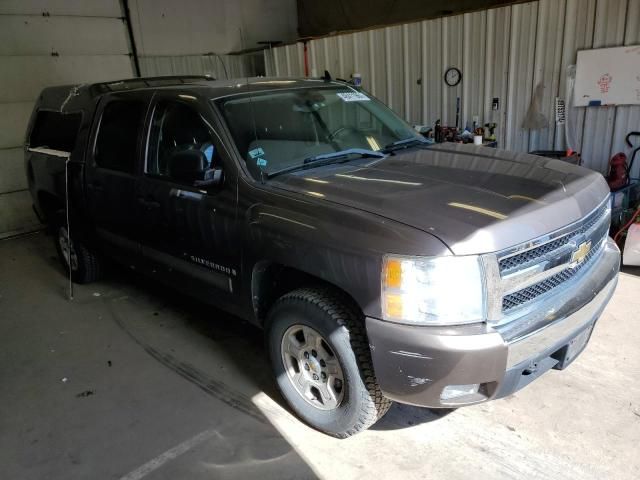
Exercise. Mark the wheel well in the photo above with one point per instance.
(271, 280)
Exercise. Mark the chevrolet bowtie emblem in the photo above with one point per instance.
(583, 250)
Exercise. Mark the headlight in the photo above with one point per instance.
(432, 290)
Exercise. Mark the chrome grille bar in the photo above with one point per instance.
(520, 260)
(531, 292)
(522, 275)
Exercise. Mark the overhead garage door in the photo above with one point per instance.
(37, 50)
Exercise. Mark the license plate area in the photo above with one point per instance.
(569, 352)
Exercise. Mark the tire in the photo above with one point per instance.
(357, 401)
(85, 265)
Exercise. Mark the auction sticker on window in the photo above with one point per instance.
(256, 152)
(353, 97)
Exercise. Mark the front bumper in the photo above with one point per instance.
(414, 364)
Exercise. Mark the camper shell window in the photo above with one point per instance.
(55, 130)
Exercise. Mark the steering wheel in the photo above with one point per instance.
(342, 130)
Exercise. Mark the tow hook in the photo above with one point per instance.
(530, 369)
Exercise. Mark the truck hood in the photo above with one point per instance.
(474, 199)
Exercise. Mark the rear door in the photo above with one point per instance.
(188, 231)
(113, 168)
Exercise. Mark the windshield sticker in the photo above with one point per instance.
(256, 152)
(353, 97)
(261, 162)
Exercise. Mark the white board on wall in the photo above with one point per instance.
(608, 76)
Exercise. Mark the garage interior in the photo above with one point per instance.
(132, 380)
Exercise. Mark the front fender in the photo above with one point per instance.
(339, 245)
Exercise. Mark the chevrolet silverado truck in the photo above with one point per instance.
(381, 267)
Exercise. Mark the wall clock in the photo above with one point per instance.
(452, 76)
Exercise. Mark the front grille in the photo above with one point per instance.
(523, 259)
(525, 295)
(535, 253)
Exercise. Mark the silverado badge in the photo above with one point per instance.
(580, 254)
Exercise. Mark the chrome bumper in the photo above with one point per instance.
(567, 312)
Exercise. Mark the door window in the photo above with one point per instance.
(178, 128)
(117, 142)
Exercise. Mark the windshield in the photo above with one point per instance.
(277, 131)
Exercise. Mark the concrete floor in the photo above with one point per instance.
(130, 382)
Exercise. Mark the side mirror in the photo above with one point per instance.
(212, 177)
(189, 166)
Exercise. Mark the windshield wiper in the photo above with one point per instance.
(361, 152)
(328, 159)
(406, 143)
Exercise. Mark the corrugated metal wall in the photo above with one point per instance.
(503, 53)
(37, 50)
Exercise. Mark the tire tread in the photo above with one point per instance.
(342, 310)
(91, 264)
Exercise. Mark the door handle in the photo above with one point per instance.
(96, 186)
(185, 194)
(148, 203)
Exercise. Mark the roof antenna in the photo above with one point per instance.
(327, 76)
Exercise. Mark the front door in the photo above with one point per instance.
(112, 170)
(188, 229)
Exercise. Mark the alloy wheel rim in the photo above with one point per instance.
(67, 248)
(312, 367)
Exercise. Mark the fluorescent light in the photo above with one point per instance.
(372, 143)
(315, 180)
(524, 197)
(484, 211)
(381, 180)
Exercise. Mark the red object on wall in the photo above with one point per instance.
(618, 175)
(604, 82)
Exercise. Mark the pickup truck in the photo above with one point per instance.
(381, 267)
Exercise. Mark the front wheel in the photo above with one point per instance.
(321, 359)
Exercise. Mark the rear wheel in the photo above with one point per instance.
(74, 255)
(321, 359)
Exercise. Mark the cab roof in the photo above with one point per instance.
(67, 98)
